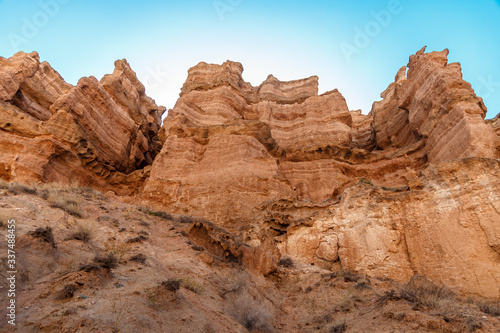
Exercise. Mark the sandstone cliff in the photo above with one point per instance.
(411, 188)
(391, 193)
(101, 134)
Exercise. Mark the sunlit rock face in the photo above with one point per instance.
(393, 193)
(99, 133)
(411, 188)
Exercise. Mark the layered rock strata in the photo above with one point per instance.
(97, 133)
(384, 193)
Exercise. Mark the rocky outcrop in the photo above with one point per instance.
(97, 133)
(444, 227)
(335, 188)
(434, 104)
(411, 188)
(262, 259)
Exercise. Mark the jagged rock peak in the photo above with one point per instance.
(96, 133)
(203, 77)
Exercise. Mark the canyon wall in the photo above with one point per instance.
(411, 188)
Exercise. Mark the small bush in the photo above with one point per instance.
(286, 262)
(491, 307)
(138, 239)
(186, 219)
(19, 188)
(70, 205)
(160, 214)
(82, 233)
(422, 291)
(338, 328)
(366, 181)
(140, 258)
(107, 261)
(172, 284)
(193, 285)
(68, 291)
(249, 313)
(472, 324)
(44, 234)
(198, 248)
(90, 267)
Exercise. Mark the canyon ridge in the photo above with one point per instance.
(262, 176)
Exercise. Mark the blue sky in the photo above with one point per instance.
(354, 46)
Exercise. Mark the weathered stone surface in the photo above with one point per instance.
(95, 134)
(434, 104)
(339, 188)
(411, 188)
(446, 227)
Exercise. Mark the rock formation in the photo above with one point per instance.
(393, 193)
(101, 134)
(279, 170)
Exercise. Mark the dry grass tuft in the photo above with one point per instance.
(70, 204)
(286, 262)
(490, 307)
(108, 261)
(193, 285)
(422, 291)
(250, 313)
(44, 234)
(20, 188)
(82, 233)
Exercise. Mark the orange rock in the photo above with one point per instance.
(99, 132)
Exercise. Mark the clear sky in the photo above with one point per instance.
(354, 46)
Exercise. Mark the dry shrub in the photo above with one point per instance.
(490, 307)
(138, 239)
(67, 292)
(422, 291)
(250, 313)
(186, 219)
(193, 285)
(140, 258)
(107, 261)
(44, 234)
(70, 204)
(338, 328)
(82, 233)
(172, 284)
(20, 188)
(286, 262)
(160, 214)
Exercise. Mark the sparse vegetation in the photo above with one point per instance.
(44, 234)
(82, 233)
(472, 324)
(138, 239)
(70, 204)
(172, 284)
(90, 267)
(140, 258)
(490, 307)
(366, 181)
(107, 261)
(186, 219)
(252, 315)
(422, 291)
(160, 214)
(286, 262)
(338, 328)
(198, 248)
(191, 284)
(67, 292)
(20, 188)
